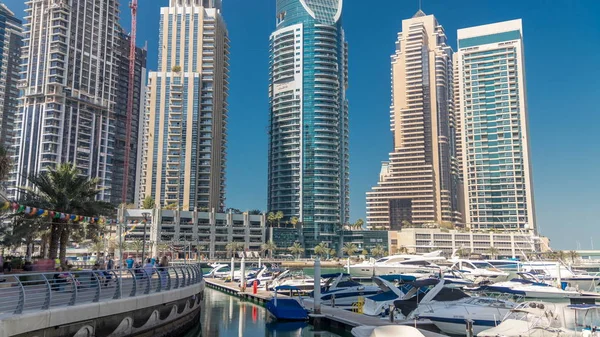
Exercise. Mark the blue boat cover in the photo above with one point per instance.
(287, 287)
(397, 277)
(287, 309)
(333, 275)
(385, 296)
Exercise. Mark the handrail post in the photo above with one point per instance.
(97, 295)
(134, 286)
(183, 276)
(73, 299)
(118, 287)
(48, 299)
(147, 290)
(21, 304)
(176, 278)
(168, 279)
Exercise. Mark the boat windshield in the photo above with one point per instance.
(382, 260)
(533, 320)
(481, 265)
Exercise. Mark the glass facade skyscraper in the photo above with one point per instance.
(308, 148)
(495, 139)
(184, 145)
(11, 34)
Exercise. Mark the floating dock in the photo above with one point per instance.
(333, 318)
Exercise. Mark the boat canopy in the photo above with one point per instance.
(398, 277)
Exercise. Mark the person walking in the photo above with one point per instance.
(129, 262)
(148, 268)
(163, 271)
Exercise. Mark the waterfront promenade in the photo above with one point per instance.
(130, 302)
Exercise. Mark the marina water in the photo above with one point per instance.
(226, 316)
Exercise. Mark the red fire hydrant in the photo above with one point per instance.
(255, 287)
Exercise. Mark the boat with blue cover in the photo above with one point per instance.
(287, 309)
(394, 287)
(340, 290)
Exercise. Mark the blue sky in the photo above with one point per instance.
(562, 44)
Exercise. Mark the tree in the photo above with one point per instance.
(176, 69)
(364, 252)
(269, 246)
(378, 251)
(148, 203)
(279, 216)
(446, 225)
(296, 249)
(331, 252)
(162, 247)
(234, 247)
(255, 212)
(5, 164)
(233, 210)
(172, 206)
(573, 255)
(271, 218)
(64, 189)
(493, 252)
(137, 246)
(359, 223)
(294, 221)
(23, 231)
(406, 224)
(321, 249)
(97, 247)
(402, 250)
(349, 249)
(463, 252)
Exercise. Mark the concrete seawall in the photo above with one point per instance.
(168, 313)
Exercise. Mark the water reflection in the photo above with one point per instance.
(226, 316)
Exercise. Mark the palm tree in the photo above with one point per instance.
(359, 223)
(561, 255)
(406, 224)
(296, 249)
(493, 252)
(137, 246)
(63, 189)
(279, 216)
(573, 255)
(331, 252)
(294, 221)
(349, 249)
(365, 252)
(98, 247)
(402, 250)
(270, 247)
(271, 218)
(378, 251)
(162, 247)
(148, 203)
(255, 212)
(321, 249)
(234, 247)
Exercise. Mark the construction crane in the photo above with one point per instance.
(134, 7)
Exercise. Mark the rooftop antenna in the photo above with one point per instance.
(420, 4)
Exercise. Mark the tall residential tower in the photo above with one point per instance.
(11, 34)
(186, 115)
(419, 185)
(68, 86)
(308, 148)
(495, 137)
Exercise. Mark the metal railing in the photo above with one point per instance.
(42, 291)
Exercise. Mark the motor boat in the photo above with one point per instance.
(287, 309)
(529, 286)
(555, 272)
(457, 279)
(453, 311)
(398, 264)
(508, 265)
(219, 271)
(479, 271)
(296, 278)
(542, 319)
(340, 290)
(394, 287)
(261, 276)
(390, 331)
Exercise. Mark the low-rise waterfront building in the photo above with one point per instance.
(203, 234)
(506, 244)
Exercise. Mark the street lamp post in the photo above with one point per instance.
(145, 215)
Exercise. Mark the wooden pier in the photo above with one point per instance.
(332, 318)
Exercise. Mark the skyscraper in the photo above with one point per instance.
(308, 148)
(495, 137)
(68, 89)
(186, 116)
(11, 34)
(418, 185)
(122, 46)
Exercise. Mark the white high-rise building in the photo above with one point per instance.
(68, 89)
(11, 33)
(184, 152)
(498, 189)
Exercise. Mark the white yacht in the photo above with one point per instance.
(398, 264)
(454, 312)
(554, 272)
(342, 291)
(531, 287)
(479, 270)
(542, 319)
(295, 278)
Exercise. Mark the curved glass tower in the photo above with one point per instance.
(308, 148)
